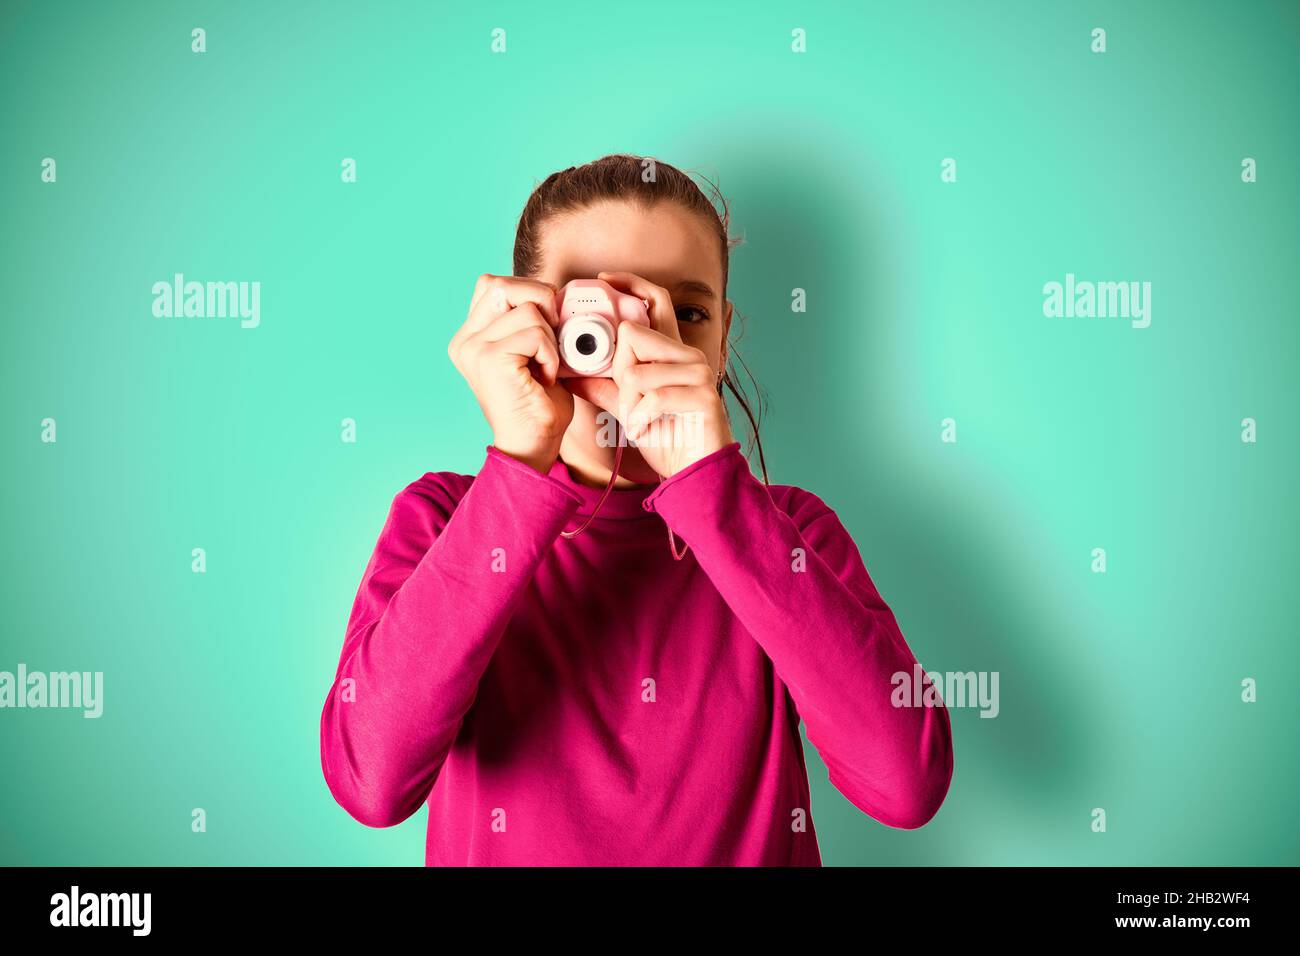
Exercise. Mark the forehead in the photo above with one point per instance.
(664, 243)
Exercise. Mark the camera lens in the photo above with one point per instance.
(587, 343)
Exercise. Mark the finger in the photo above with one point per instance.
(636, 343)
(525, 316)
(663, 318)
(646, 376)
(634, 381)
(600, 392)
(671, 400)
(488, 281)
(520, 317)
(494, 295)
(480, 286)
(533, 344)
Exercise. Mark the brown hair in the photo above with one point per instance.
(644, 180)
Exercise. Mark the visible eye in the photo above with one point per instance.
(692, 314)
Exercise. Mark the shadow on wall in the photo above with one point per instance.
(818, 218)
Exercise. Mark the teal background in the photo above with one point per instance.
(1119, 691)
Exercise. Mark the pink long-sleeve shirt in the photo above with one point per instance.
(592, 701)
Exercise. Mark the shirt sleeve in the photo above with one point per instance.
(431, 609)
(802, 591)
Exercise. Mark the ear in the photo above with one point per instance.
(726, 333)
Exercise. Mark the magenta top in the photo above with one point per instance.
(592, 701)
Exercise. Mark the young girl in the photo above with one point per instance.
(631, 694)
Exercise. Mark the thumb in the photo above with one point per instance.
(601, 392)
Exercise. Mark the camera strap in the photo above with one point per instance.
(613, 477)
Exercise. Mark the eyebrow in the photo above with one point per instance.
(694, 285)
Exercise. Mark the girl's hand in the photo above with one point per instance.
(663, 392)
(507, 352)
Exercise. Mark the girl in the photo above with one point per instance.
(628, 695)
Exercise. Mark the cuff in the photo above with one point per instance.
(715, 466)
(528, 477)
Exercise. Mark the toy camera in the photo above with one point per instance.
(591, 311)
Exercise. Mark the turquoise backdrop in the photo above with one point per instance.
(1119, 690)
